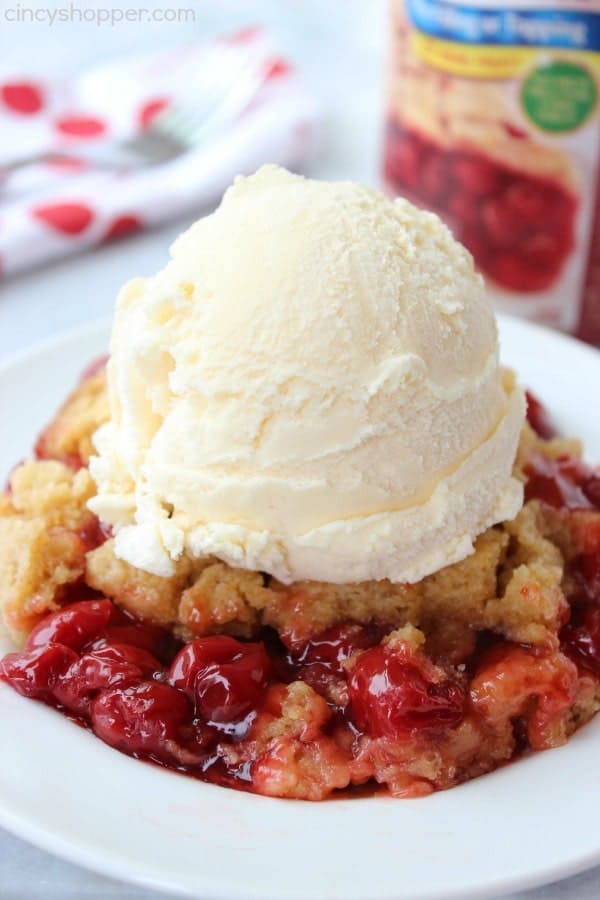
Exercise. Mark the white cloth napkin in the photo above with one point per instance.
(50, 210)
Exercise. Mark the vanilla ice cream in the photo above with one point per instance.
(309, 388)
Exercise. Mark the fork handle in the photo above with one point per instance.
(108, 156)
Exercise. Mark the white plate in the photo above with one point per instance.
(61, 788)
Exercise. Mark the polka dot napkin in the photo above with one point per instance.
(51, 209)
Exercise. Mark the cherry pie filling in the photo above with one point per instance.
(519, 228)
(355, 693)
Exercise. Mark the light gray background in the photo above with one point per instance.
(340, 45)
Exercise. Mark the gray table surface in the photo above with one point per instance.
(340, 45)
(30, 874)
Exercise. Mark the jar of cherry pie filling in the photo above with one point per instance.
(493, 122)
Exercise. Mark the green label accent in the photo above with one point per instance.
(560, 96)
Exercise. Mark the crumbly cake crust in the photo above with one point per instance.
(68, 437)
(47, 509)
(513, 586)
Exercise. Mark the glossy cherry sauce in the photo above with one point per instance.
(148, 696)
(570, 485)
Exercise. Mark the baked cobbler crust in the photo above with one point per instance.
(482, 635)
(206, 596)
(68, 437)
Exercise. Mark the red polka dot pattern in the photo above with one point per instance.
(71, 202)
(277, 68)
(81, 126)
(122, 226)
(244, 35)
(67, 218)
(22, 97)
(67, 163)
(150, 110)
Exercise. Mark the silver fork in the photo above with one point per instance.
(219, 91)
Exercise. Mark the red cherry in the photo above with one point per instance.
(22, 97)
(80, 126)
(319, 661)
(542, 249)
(464, 208)
(514, 271)
(403, 160)
(529, 201)
(582, 642)
(149, 719)
(34, 673)
(434, 179)
(94, 533)
(145, 635)
(104, 667)
(591, 489)
(476, 175)
(392, 692)
(588, 536)
(532, 221)
(558, 482)
(477, 246)
(585, 570)
(198, 654)
(499, 223)
(68, 218)
(563, 213)
(224, 677)
(335, 644)
(538, 418)
(74, 626)
(532, 686)
(42, 451)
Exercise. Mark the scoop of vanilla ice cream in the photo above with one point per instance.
(310, 388)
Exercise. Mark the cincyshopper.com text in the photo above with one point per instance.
(99, 16)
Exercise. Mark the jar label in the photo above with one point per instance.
(559, 96)
(493, 122)
(515, 25)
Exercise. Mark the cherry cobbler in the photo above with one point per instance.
(302, 690)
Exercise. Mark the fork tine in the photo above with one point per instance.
(223, 92)
(154, 147)
(230, 93)
(177, 116)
